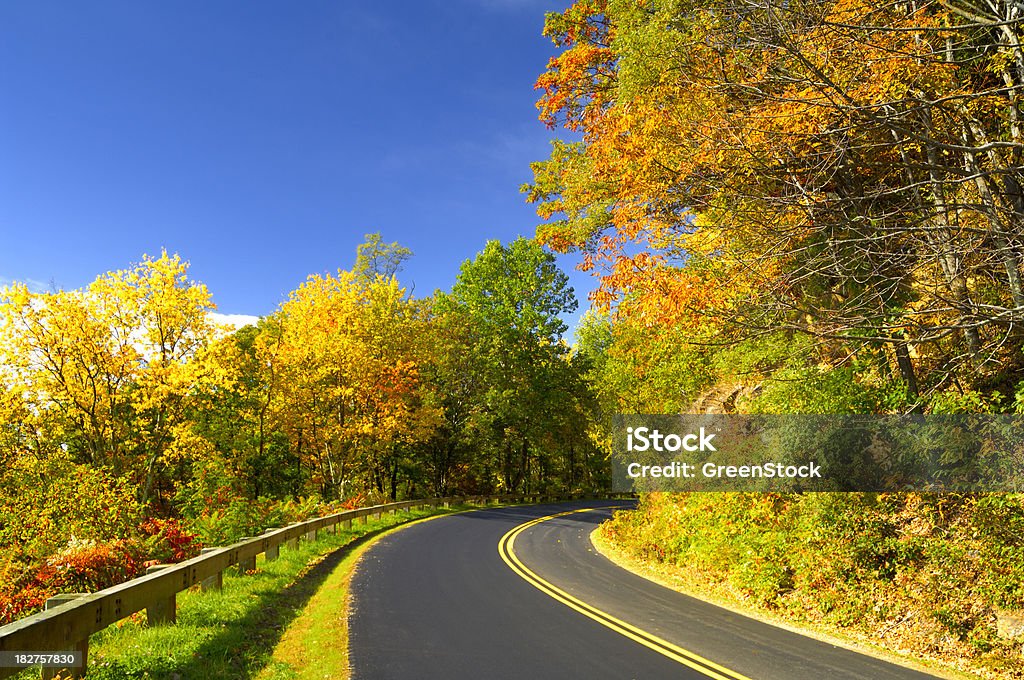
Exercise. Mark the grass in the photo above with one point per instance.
(320, 632)
(263, 624)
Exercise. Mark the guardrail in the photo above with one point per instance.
(70, 619)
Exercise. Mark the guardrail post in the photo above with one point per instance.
(293, 543)
(161, 611)
(81, 646)
(248, 564)
(273, 551)
(215, 582)
(347, 524)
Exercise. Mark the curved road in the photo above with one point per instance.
(437, 600)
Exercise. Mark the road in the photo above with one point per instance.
(438, 600)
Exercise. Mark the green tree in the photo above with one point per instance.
(376, 258)
(512, 298)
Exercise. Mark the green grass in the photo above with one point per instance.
(315, 645)
(233, 633)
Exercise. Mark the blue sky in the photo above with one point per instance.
(261, 140)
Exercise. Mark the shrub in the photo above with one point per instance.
(167, 541)
(80, 567)
(47, 503)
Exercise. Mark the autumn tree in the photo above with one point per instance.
(839, 169)
(374, 257)
(106, 372)
(241, 425)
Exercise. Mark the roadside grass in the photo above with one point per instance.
(315, 645)
(233, 633)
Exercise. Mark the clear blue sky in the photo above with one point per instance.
(261, 140)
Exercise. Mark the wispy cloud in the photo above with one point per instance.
(34, 285)
(509, 151)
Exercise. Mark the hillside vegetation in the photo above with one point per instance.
(925, 575)
(806, 207)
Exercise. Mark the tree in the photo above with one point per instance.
(842, 169)
(376, 258)
(106, 372)
(510, 297)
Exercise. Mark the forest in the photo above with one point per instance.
(134, 430)
(805, 207)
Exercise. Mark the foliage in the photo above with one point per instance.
(922, 572)
(167, 541)
(531, 407)
(47, 504)
(104, 373)
(79, 567)
(842, 171)
(237, 518)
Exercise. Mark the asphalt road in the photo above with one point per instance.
(437, 600)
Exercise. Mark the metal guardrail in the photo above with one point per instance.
(69, 620)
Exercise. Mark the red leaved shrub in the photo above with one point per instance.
(88, 567)
(168, 541)
(82, 567)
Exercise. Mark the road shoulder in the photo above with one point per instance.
(664, 576)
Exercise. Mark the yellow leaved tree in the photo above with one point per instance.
(102, 374)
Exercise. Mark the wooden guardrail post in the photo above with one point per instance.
(293, 543)
(81, 646)
(249, 563)
(164, 610)
(215, 582)
(273, 551)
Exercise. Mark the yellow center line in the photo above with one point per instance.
(506, 549)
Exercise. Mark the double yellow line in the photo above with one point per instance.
(506, 548)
